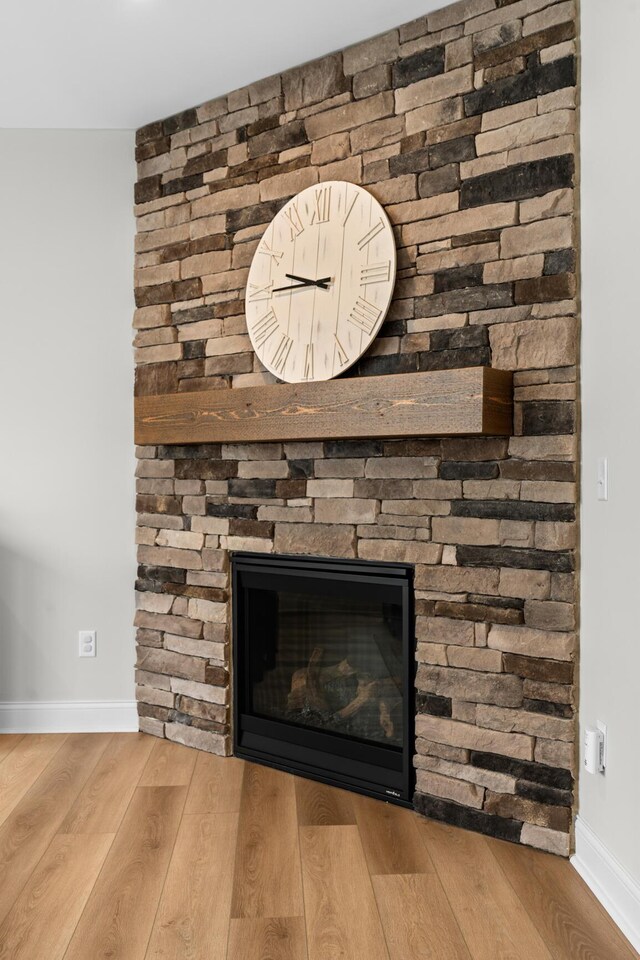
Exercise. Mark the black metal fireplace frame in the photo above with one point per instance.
(379, 771)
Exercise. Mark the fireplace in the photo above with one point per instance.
(323, 656)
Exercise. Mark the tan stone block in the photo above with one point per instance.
(170, 664)
(350, 170)
(556, 536)
(458, 52)
(395, 190)
(516, 533)
(255, 544)
(471, 685)
(158, 469)
(564, 99)
(468, 530)
(475, 658)
(433, 115)
(548, 491)
(555, 14)
(441, 87)
(491, 489)
(528, 642)
(155, 337)
(543, 448)
(200, 691)
(155, 316)
(322, 539)
(154, 239)
(546, 815)
(160, 354)
(181, 539)
(549, 615)
(159, 520)
(212, 109)
(498, 782)
(224, 346)
(264, 90)
(195, 648)
(525, 132)
(469, 794)
(287, 184)
(334, 147)
(206, 227)
(205, 263)
(286, 514)
(522, 721)
(409, 212)
(551, 692)
(456, 13)
(154, 602)
(160, 698)
(207, 610)
(170, 557)
(154, 728)
(513, 11)
(216, 743)
(330, 488)
(381, 49)
(553, 841)
(350, 115)
(552, 234)
(534, 344)
(201, 330)
(431, 653)
(400, 551)
(457, 579)
(505, 116)
(224, 200)
(445, 631)
(525, 584)
(456, 734)
(350, 510)
(466, 712)
(438, 489)
(265, 469)
(555, 753)
(558, 51)
(488, 217)
(504, 271)
(458, 257)
(447, 322)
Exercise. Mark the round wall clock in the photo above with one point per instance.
(320, 282)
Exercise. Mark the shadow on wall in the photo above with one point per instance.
(27, 608)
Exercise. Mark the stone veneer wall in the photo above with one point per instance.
(463, 124)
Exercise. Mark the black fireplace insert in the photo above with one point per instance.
(323, 670)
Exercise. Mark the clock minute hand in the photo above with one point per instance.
(304, 282)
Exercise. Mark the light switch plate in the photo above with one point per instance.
(603, 478)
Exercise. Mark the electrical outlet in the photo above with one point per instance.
(87, 643)
(602, 728)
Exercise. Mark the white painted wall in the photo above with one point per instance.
(67, 559)
(610, 656)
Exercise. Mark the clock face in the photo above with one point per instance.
(320, 282)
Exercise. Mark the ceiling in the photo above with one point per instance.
(100, 64)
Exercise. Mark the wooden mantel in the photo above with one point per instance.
(474, 401)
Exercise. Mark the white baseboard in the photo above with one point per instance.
(616, 890)
(68, 716)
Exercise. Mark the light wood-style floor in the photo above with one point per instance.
(125, 847)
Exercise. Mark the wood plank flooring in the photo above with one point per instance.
(125, 847)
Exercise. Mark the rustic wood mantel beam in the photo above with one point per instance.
(474, 401)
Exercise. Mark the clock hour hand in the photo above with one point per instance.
(323, 283)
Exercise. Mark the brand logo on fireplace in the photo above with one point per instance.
(393, 793)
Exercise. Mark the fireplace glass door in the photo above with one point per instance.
(322, 669)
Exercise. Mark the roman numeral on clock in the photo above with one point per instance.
(308, 362)
(371, 234)
(281, 353)
(341, 353)
(375, 273)
(322, 208)
(275, 255)
(295, 223)
(257, 292)
(264, 327)
(364, 315)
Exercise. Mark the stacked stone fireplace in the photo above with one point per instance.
(462, 123)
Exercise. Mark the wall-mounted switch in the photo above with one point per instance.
(603, 478)
(87, 643)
